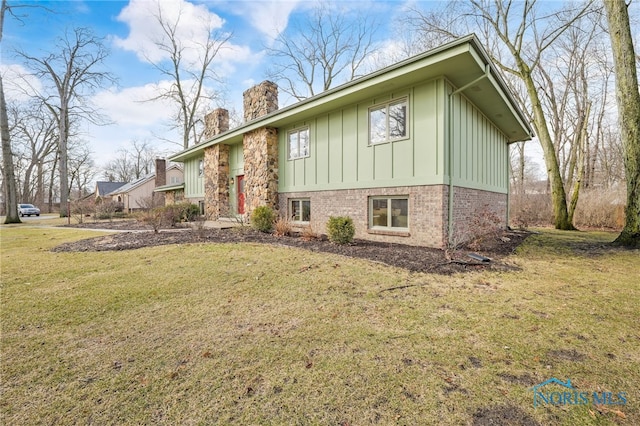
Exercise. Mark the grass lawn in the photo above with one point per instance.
(254, 334)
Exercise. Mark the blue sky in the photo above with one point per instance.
(126, 27)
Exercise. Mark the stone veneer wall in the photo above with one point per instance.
(260, 100)
(260, 149)
(215, 122)
(216, 183)
(427, 211)
(169, 198)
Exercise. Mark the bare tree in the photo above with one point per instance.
(326, 49)
(132, 163)
(34, 140)
(72, 73)
(81, 169)
(628, 98)
(8, 174)
(520, 32)
(189, 68)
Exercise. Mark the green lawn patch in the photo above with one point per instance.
(259, 334)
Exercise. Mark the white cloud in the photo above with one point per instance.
(133, 117)
(194, 25)
(268, 17)
(19, 85)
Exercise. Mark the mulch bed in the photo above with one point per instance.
(417, 259)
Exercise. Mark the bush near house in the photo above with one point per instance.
(262, 218)
(340, 229)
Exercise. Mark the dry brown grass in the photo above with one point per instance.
(254, 334)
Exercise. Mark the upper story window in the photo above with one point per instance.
(298, 141)
(175, 179)
(200, 167)
(388, 122)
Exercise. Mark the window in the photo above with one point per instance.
(300, 210)
(389, 212)
(200, 167)
(298, 141)
(388, 122)
(175, 180)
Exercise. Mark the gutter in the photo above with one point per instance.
(450, 230)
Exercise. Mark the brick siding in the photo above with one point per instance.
(427, 211)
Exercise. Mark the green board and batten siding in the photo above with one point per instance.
(341, 157)
(480, 150)
(193, 182)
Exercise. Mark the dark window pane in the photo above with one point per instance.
(398, 120)
(379, 212)
(306, 210)
(399, 213)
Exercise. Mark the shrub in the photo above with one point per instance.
(283, 227)
(189, 211)
(262, 218)
(340, 230)
(308, 234)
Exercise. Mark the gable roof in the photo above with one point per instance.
(132, 185)
(128, 187)
(103, 188)
(461, 62)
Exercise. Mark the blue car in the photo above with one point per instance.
(28, 210)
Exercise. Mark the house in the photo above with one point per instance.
(103, 188)
(141, 193)
(415, 153)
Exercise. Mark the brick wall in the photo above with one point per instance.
(426, 204)
(428, 216)
(477, 212)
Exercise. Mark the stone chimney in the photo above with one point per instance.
(260, 100)
(216, 122)
(161, 172)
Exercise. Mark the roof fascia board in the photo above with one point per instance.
(425, 59)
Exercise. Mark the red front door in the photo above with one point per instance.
(240, 180)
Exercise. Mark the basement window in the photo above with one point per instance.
(389, 213)
(298, 142)
(388, 122)
(300, 210)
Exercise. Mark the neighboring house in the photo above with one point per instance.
(415, 153)
(139, 194)
(104, 188)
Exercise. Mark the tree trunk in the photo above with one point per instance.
(581, 147)
(628, 99)
(63, 164)
(9, 177)
(558, 195)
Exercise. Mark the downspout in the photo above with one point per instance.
(487, 70)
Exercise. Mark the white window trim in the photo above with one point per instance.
(200, 168)
(293, 200)
(388, 198)
(299, 130)
(387, 104)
